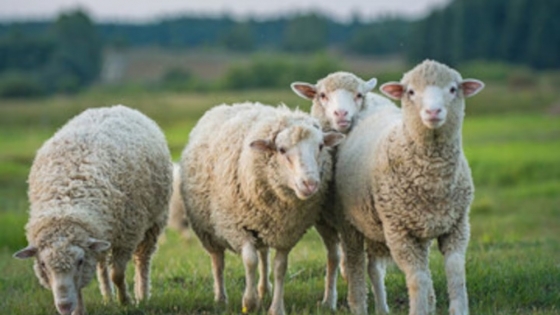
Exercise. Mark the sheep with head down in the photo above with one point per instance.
(99, 192)
(402, 180)
(254, 177)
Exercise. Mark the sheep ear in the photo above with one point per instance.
(262, 145)
(28, 252)
(394, 90)
(370, 85)
(305, 90)
(471, 87)
(333, 138)
(98, 245)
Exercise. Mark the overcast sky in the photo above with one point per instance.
(148, 10)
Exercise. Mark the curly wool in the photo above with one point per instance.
(106, 175)
(232, 193)
(397, 179)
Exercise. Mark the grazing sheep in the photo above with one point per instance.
(402, 180)
(99, 192)
(339, 101)
(177, 216)
(254, 177)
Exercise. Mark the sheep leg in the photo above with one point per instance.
(377, 266)
(250, 260)
(454, 246)
(264, 284)
(280, 267)
(353, 250)
(105, 285)
(118, 268)
(142, 261)
(330, 238)
(80, 308)
(411, 255)
(218, 265)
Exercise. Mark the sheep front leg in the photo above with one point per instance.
(264, 284)
(378, 255)
(411, 255)
(280, 267)
(250, 261)
(454, 246)
(330, 238)
(142, 261)
(353, 250)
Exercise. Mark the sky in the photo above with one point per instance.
(149, 10)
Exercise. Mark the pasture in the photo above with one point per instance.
(511, 138)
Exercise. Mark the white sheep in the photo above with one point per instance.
(99, 192)
(177, 216)
(339, 100)
(402, 180)
(254, 177)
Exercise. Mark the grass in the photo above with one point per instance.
(513, 262)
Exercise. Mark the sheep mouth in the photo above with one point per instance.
(343, 124)
(433, 122)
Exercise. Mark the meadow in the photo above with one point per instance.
(511, 137)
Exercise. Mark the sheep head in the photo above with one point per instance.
(433, 91)
(337, 98)
(299, 150)
(65, 266)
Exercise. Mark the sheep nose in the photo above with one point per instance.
(340, 113)
(65, 308)
(311, 185)
(433, 112)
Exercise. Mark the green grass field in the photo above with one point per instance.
(513, 262)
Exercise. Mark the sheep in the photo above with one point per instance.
(177, 216)
(402, 180)
(254, 177)
(339, 100)
(99, 191)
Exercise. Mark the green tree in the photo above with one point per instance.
(78, 54)
(239, 38)
(306, 33)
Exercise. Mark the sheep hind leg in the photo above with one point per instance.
(264, 283)
(218, 265)
(118, 269)
(105, 285)
(378, 256)
(332, 243)
(250, 301)
(142, 262)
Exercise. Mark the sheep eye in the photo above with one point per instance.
(282, 150)
(359, 95)
(321, 147)
(452, 90)
(323, 96)
(42, 265)
(410, 92)
(80, 262)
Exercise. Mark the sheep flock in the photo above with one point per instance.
(379, 183)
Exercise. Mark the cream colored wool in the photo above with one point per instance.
(239, 198)
(177, 216)
(401, 185)
(105, 176)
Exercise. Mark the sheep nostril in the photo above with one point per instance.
(340, 113)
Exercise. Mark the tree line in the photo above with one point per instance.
(65, 54)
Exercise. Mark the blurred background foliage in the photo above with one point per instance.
(506, 40)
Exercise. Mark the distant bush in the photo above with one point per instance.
(277, 72)
(19, 84)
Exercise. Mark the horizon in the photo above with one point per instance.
(103, 11)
